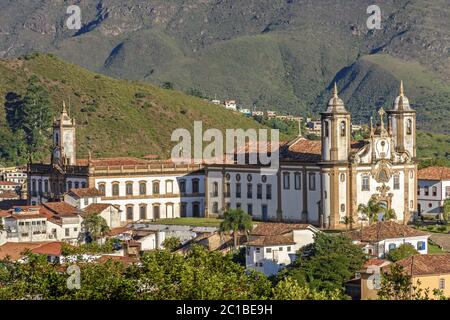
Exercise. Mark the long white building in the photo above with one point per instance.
(317, 182)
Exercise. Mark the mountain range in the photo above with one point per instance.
(267, 54)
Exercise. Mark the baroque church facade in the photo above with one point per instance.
(317, 182)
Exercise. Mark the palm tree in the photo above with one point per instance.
(389, 214)
(236, 221)
(95, 226)
(370, 210)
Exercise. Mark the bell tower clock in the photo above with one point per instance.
(64, 141)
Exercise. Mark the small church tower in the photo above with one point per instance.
(336, 133)
(402, 125)
(64, 140)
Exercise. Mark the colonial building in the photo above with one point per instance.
(141, 189)
(433, 190)
(323, 182)
(317, 182)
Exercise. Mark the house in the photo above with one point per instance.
(368, 280)
(10, 186)
(25, 224)
(272, 246)
(381, 237)
(271, 114)
(82, 197)
(64, 221)
(432, 190)
(230, 104)
(246, 112)
(426, 271)
(107, 211)
(257, 113)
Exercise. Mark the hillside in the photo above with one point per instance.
(115, 117)
(268, 54)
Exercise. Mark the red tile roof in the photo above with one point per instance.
(14, 250)
(304, 150)
(52, 248)
(85, 192)
(425, 264)
(274, 229)
(271, 241)
(61, 208)
(384, 230)
(434, 173)
(9, 183)
(95, 208)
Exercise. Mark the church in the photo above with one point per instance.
(317, 182)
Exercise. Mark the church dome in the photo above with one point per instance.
(401, 102)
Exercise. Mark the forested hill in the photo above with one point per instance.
(114, 117)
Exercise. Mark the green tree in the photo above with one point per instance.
(446, 210)
(289, 289)
(370, 210)
(35, 118)
(95, 226)
(328, 263)
(403, 251)
(171, 243)
(398, 285)
(236, 221)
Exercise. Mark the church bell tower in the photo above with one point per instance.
(402, 125)
(64, 140)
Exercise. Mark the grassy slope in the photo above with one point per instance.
(120, 123)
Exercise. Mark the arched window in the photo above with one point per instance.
(83, 185)
(101, 188)
(69, 185)
(396, 182)
(143, 212)
(129, 188)
(342, 177)
(130, 212)
(77, 185)
(169, 186)
(115, 189)
(343, 129)
(215, 207)
(156, 187)
(142, 188)
(342, 207)
(408, 126)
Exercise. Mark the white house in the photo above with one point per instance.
(82, 197)
(272, 246)
(230, 104)
(10, 186)
(381, 237)
(107, 211)
(433, 189)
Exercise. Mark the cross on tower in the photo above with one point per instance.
(381, 112)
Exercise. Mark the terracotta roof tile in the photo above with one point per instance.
(9, 183)
(96, 208)
(52, 248)
(274, 229)
(434, 173)
(14, 250)
(425, 264)
(271, 241)
(85, 192)
(60, 208)
(384, 230)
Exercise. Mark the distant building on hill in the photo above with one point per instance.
(231, 104)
